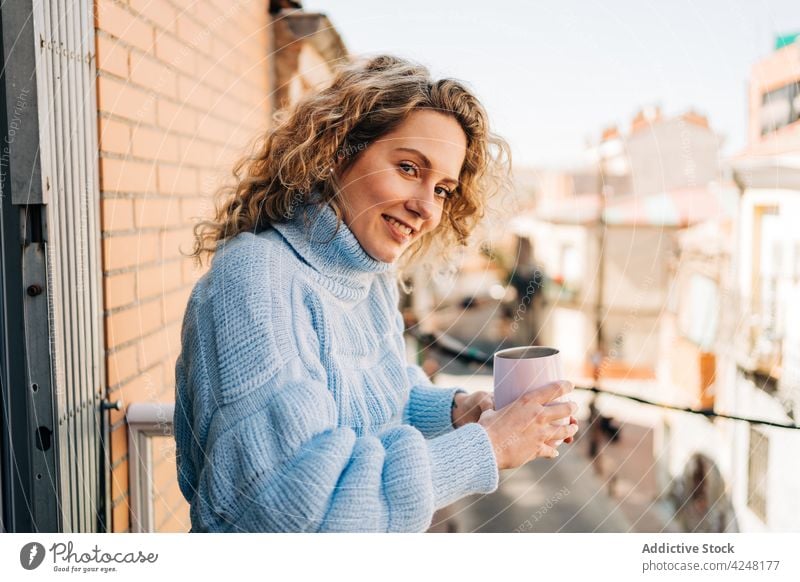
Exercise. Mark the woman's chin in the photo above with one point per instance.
(387, 255)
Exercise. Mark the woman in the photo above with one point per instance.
(295, 408)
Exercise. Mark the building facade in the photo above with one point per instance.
(730, 339)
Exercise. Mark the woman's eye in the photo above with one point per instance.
(410, 169)
(407, 166)
(444, 192)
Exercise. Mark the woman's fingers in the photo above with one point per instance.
(548, 452)
(557, 410)
(550, 392)
(572, 421)
(486, 402)
(562, 432)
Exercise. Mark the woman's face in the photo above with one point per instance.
(395, 190)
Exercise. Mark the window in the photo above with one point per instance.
(698, 319)
(758, 465)
(779, 108)
(771, 271)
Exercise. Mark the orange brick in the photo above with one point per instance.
(175, 304)
(204, 11)
(191, 272)
(163, 467)
(164, 448)
(119, 480)
(119, 442)
(230, 108)
(168, 495)
(134, 322)
(214, 129)
(220, 46)
(190, 32)
(121, 365)
(174, 117)
(195, 93)
(178, 520)
(211, 180)
(123, 100)
(160, 12)
(112, 56)
(156, 212)
(203, 66)
(237, 20)
(179, 180)
(119, 290)
(220, 5)
(173, 338)
(176, 243)
(116, 214)
(127, 176)
(220, 66)
(169, 372)
(154, 144)
(121, 516)
(113, 136)
(252, 55)
(167, 498)
(198, 152)
(123, 24)
(257, 118)
(230, 59)
(173, 52)
(158, 280)
(153, 75)
(184, 5)
(152, 348)
(144, 388)
(120, 252)
(193, 209)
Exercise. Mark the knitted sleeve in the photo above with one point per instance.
(275, 459)
(285, 466)
(429, 407)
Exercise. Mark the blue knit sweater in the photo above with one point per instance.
(295, 407)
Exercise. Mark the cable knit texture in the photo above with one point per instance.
(295, 409)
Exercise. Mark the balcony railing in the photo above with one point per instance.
(146, 420)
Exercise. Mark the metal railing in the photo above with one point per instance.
(458, 349)
(145, 421)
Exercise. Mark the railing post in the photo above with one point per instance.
(145, 420)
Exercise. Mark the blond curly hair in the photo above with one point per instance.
(365, 100)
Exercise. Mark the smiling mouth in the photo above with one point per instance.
(403, 229)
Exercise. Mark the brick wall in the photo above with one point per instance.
(182, 87)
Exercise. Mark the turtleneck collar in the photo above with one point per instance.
(336, 254)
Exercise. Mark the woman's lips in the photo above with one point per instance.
(396, 233)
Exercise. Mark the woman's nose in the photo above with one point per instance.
(423, 205)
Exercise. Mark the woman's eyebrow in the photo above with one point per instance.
(427, 163)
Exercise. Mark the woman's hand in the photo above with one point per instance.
(469, 407)
(521, 431)
(572, 420)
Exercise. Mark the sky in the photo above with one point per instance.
(554, 74)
